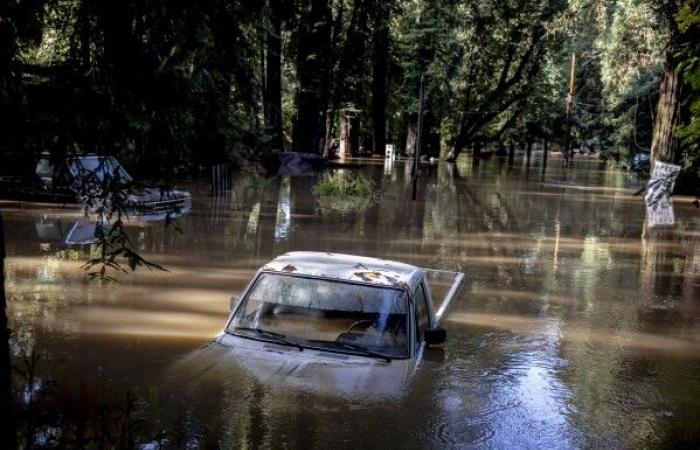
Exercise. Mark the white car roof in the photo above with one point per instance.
(339, 266)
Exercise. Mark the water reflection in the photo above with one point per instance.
(577, 325)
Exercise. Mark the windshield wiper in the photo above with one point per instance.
(355, 347)
(279, 337)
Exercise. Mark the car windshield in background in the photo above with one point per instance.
(100, 166)
(344, 317)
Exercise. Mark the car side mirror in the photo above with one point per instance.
(435, 336)
(232, 303)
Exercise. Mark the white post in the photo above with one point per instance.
(390, 152)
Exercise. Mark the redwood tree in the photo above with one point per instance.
(664, 144)
(379, 74)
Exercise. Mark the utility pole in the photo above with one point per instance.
(570, 98)
(419, 136)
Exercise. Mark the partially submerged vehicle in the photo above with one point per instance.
(80, 176)
(339, 324)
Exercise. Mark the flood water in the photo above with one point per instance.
(577, 327)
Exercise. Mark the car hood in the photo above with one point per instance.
(153, 195)
(336, 375)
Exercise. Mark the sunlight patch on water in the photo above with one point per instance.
(161, 324)
(506, 322)
(685, 347)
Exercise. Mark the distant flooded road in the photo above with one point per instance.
(578, 326)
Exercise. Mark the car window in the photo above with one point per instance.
(422, 315)
(326, 313)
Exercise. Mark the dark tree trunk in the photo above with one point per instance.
(544, 154)
(430, 145)
(529, 152)
(476, 155)
(12, 122)
(664, 145)
(273, 76)
(7, 428)
(313, 48)
(477, 149)
(511, 153)
(379, 75)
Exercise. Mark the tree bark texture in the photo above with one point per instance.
(664, 145)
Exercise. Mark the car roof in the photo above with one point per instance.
(362, 269)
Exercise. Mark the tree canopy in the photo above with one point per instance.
(177, 85)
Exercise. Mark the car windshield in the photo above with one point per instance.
(338, 316)
(100, 166)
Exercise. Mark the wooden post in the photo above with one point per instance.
(419, 137)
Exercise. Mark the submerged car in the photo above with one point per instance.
(340, 324)
(69, 181)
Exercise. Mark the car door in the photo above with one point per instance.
(422, 314)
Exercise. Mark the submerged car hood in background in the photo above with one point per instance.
(151, 195)
(152, 204)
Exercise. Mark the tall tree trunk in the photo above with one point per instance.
(511, 153)
(379, 75)
(664, 145)
(8, 434)
(313, 48)
(430, 142)
(476, 155)
(411, 136)
(346, 132)
(273, 76)
(544, 154)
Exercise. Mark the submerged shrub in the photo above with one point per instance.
(344, 184)
(344, 192)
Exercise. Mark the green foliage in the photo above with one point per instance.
(480, 59)
(344, 184)
(619, 49)
(162, 85)
(173, 84)
(344, 192)
(689, 67)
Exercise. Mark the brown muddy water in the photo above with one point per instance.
(577, 327)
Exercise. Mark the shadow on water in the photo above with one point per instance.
(574, 328)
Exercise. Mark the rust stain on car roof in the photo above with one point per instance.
(368, 276)
(289, 268)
